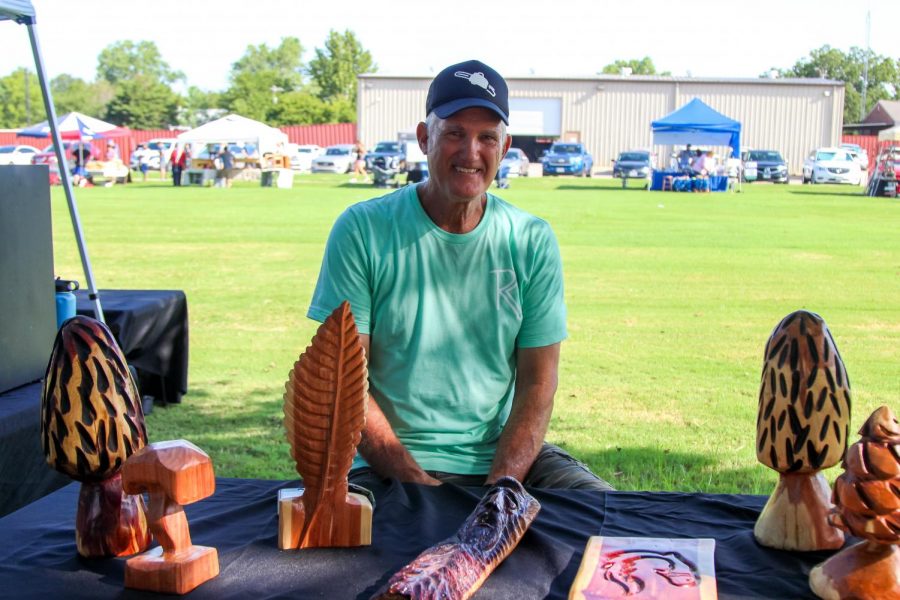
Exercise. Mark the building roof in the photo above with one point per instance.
(641, 78)
(892, 108)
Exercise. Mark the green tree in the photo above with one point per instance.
(832, 63)
(141, 103)
(13, 113)
(125, 60)
(261, 77)
(643, 66)
(300, 108)
(335, 68)
(197, 106)
(75, 94)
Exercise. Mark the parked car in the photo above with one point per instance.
(861, 155)
(393, 153)
(831, 165)
(633, 164)
(47, 156)
(151, 152)
(517, 163)
(764, 165)
(567, 158)
(337, 159)
(302, 155)
(17, 154)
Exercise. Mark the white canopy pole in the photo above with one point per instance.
(63, 169)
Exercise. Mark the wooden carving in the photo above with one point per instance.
(801, 428)
(324, 415)
(174, 473)
(455, 568)
(867, 505)
(91, 422)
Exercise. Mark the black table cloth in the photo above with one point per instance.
(151, 327)
(24, 474)
(38, 557)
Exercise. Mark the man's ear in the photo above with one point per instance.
(422, 137)
(506, 146)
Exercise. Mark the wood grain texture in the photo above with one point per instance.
(455, 568)
(173, 473)
(324, 415)
(91, 414)
(802, 424)
(92, 421)
(867, 505)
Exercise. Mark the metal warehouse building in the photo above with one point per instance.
(611, 113)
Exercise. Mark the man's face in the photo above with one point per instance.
(464, 153)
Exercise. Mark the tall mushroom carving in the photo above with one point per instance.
(91, 422)
(801, 428)
(867, 505)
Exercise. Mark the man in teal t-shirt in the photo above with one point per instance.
(458, 298)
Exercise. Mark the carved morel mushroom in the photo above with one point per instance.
(91, 422)
(867, 505)
(801, 428)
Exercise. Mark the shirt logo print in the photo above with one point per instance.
(505, 286)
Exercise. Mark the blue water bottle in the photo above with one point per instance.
(65, 300)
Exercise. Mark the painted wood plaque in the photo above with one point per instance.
(644, 568)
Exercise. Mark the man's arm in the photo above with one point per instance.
(383, 450)
(523, 435)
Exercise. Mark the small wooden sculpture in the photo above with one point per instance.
(91, 422)
(174, 473)
(324, 415)
(867, 505)
(455, 568)
(801, 428)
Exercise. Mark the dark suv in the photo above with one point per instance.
(764, 165)
(634, 164)
(392, 153)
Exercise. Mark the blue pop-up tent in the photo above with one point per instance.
(697, 123)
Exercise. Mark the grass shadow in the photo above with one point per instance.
(655, 469)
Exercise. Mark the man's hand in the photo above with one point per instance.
(382, 449)
(523, 435)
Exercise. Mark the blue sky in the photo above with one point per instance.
(719, 38)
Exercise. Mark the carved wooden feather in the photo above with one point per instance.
(867, 504)
(801, 428)
(324, 415)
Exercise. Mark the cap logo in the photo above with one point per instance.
(477, 79)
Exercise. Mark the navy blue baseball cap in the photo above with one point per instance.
(467, 84)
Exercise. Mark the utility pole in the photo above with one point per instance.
(865, 86)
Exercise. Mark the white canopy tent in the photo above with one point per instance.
(239, 130)
(22, 12)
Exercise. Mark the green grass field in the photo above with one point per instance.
(671, 299)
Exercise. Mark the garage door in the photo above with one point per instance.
(535, 116)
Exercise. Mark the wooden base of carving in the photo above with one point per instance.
(796, 515)
(177, 573)
(351, 524)
(110, 522)
(864, 571)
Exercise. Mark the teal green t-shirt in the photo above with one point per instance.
(445, 313)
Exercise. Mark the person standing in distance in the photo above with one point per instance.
(458, 298)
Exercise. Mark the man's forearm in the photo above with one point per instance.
(385, 453)
(523, 434)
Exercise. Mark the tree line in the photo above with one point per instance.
(134, 87)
